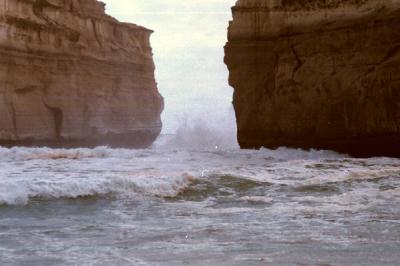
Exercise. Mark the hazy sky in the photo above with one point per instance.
(188, 51)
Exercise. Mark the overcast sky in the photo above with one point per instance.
(188, 51)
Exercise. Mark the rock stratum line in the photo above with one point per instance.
(317, 74)
(70, 76)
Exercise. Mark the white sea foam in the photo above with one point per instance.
(354, 174)
(200, 135)
(352, 201)
(257, 199)
(284, 153)
(20, 191)
(18, 153)
(391, 194)
(45, 173)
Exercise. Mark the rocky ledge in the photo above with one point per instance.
(70, 76)
(321, 74)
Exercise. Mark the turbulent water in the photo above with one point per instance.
(198, 205)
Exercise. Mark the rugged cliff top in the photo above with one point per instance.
(299, 4)
(84, 8)
(69, 27)
(266, 19)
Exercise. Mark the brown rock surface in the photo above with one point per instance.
(70, 75)
(317, 74)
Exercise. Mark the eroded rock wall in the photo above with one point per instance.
(317, 74)
(70, 75)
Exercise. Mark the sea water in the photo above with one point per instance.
(201, 204)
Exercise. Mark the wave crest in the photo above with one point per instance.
(19, 193)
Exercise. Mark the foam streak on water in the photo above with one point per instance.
(209, 204)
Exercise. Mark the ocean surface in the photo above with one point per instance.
(202, 204)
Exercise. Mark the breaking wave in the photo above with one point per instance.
(201, 134)
(167, 171)
(19, 192)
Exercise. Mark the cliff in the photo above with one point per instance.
(70, 75)
(319, 74)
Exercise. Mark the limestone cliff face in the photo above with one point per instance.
(317, 74)
(70, 75)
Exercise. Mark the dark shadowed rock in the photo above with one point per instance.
(317, 74)
(70, 75)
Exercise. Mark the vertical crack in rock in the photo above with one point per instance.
(299, 62)
(274, 87)
(9, 102)
(57, 114)
(96, 35)
(14, 119)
